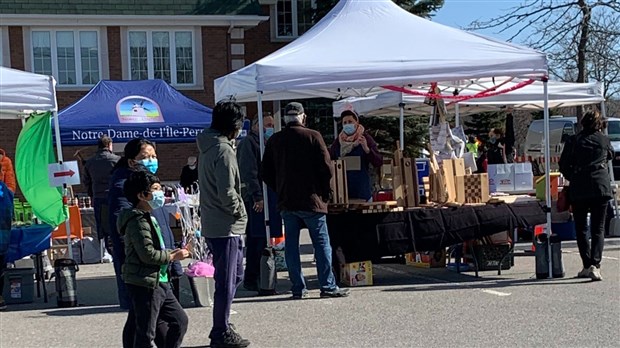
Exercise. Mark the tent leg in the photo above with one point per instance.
(457, 117)
(547, 173)
(65, 188)
(402, 125)
(261, 138)
(611, 166)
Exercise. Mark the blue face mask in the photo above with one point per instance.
(151, 164)
(158, 199)
(268, 132)
(492, 140)
(349, 129)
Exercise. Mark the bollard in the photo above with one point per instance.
(66, 284)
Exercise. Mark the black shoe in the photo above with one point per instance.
(303, 295)
(229, 339)
(338, 292)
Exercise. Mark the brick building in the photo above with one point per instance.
(188, 43)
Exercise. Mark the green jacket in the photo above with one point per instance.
(144, 254)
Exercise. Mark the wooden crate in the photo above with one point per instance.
(339, 183)
(473, 188)
(410, 174)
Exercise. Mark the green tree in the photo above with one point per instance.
(576, 33)
(480, 124)
(422, 8)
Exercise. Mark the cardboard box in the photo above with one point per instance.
(427, 259)
(473, 188)
(524, 177)
(356, 273)
(339, 183)
(501, 177)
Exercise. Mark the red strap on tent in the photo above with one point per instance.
(483, 94)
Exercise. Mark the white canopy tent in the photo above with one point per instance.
(22, 93)
(360, 46)
(530, 97)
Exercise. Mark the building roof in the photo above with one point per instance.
(131, 7)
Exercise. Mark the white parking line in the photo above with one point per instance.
(497, 293)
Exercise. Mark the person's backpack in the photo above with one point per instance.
(6, 216)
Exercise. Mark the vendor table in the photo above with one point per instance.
(28, 240)
(364, 237)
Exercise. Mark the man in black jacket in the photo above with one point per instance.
(97, 173)
(296, 164)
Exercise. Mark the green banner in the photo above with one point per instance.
(34, 152)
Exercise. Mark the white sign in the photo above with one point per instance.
(65, 173)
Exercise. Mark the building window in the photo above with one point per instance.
(166, 55)
(71, 56)
(293, 17)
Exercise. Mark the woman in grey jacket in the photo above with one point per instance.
(584, 162)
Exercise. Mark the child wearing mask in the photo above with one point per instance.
(145, 270)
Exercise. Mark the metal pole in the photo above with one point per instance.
(65, 189)
(402, 125)
(610, 165)
(261, 139)
(457, 117)
(547, 173)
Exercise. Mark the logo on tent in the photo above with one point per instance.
(138, 109)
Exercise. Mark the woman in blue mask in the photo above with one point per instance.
(360, 151)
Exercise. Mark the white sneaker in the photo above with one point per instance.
(595, 273)
(584, 273)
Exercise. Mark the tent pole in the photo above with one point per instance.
(335, 128)
(23, 119)
(261, 139)
(610, 165)
(277, 115)
(65, 190)
(547, 174)
(402, 125)
(457, 117)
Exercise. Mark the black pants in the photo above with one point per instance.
(253, 252)
(591, 254)
(152, 305)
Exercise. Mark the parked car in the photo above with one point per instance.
(560, 128)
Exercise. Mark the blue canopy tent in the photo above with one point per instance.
(124, 110)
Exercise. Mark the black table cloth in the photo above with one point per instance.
(371, 236)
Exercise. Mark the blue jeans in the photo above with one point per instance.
(317, 226)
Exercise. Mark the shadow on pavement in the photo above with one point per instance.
(485, 284)
(80, 310)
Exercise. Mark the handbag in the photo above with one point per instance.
(563, 203)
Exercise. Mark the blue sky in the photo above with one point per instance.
(460, 13)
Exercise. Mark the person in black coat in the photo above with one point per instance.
(584, 162)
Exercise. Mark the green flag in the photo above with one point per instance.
(33, 154)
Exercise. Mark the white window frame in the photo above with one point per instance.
(173, 53)
(78, 53)
(294, 23)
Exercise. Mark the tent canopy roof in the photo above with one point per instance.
(129, 109)
(22, 92)
(561, 94)
(363, 44)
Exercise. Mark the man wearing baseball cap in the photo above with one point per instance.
(297, 166)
